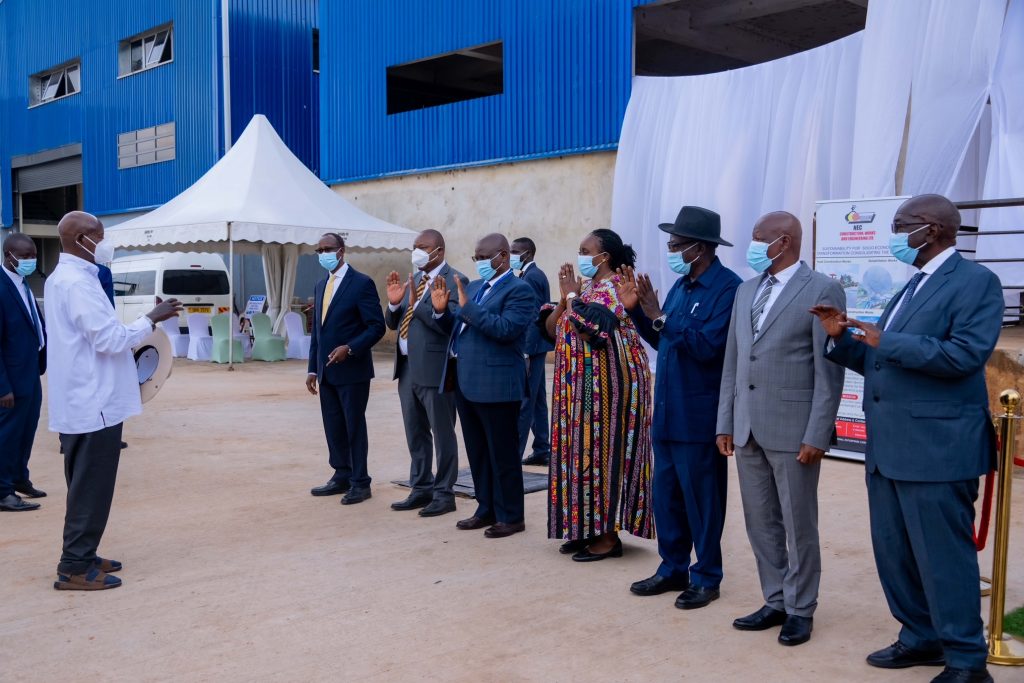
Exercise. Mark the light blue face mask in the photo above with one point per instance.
(516, 261)
(586, 265)
(484, 268)
(677, 263)
(900, 248)
(757, 255)
(26, 266)
(329, 260)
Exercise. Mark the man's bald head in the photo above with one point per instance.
(77, 227)
(781, 230)
(494, 248)
(934, 209)
(432, 237)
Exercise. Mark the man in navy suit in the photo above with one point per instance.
(534, 412)
(347, 322)
(489, 381)
(690, 477)
(930, 437)
(22, 361)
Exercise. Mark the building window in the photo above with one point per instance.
(48, 86)
(146, 146)
(453, 77)
(146, 51)
(316, 50)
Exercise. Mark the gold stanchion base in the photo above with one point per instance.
(1006, 652)
(986, 586)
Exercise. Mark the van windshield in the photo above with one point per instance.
(195, 282)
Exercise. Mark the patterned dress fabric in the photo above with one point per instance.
(600, 475)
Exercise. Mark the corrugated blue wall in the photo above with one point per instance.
(568, 65)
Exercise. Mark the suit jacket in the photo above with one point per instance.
(428, 340)
(691, 350)
(537, 343)
(491, 367)
(780, 388)
(21, 360)
(353, 318)
(925, 399)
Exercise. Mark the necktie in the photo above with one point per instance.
(760, 301)
(403, 329)
(904, 304)
(32, 310)
(328, 295)
(478, 297)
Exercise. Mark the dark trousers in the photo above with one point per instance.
(489, 431)
(90, 468)
(17, 432)
(533, 414)
(922, 534)
(690, 485)
(343, 407)
(429, 418)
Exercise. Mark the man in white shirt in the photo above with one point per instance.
(93, 388)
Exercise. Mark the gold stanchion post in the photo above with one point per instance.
(1002, 649)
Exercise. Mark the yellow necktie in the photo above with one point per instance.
(403, 329)
(328, 295)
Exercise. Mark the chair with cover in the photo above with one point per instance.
(267, 345)
(298, 340)
(222, 336)
(200, 343)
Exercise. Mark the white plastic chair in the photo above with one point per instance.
(200, 341)
(242, 337)
(298, 340)
(179, 341)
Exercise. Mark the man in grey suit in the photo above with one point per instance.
(777, 412)
(420, 357)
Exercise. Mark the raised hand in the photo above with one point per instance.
(625, 288)
(165, 310)
(831, 318)
(440, 295)
(463, 297)
(869, 334)
(396, 288)
(567, 280)
(648, 296)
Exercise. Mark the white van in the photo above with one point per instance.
(199, 281)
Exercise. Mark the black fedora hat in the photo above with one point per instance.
(698, 224)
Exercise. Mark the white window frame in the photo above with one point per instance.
(147, 146)
(148, 45)
(70, 73)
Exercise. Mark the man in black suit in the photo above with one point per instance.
(534, 412)
(22, 361)
(347, 322)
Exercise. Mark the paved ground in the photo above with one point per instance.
(233, 572)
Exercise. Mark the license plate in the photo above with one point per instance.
(199, 309)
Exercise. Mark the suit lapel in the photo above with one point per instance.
(796, 283)
(16, 295)
(339, 288)
(744, 303)
(933, 284)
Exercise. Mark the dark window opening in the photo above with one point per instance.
(49, 206)
(454, 77)
(195, 282)
(316, 50)
(135, 283)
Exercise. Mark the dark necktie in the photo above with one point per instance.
(760, 302)
(904, 304)
(32, 310)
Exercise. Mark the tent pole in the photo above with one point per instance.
(231, 298)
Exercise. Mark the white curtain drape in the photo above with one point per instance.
(280, 263)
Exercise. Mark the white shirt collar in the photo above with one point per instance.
(785, 275)
(432, 274)
(937, 261)
(526, 266)
(15, 278)
(494, 281)
(339, 274)
(72, 260)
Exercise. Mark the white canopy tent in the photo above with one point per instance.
(259, 198)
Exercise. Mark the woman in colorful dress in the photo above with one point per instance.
(600, 475)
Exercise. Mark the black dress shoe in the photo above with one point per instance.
(538, 459)
(356, 496)
(124, 445)
(761, 620)
(474, 522)
(572, 547)
(796, 630)
(26, 489)
(14, 503)
(899, 656)
(503, 529)
(586, 556)
(413, 502)
(658, 584)
(438, 508)
(951, 675)
(331, 488)
(696, 597)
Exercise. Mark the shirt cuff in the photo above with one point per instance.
(392, 307)
(437, 316)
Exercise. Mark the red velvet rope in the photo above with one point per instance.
(981, 532)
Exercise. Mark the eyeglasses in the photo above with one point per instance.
(679, 246)
(896, 227)
(325, 250)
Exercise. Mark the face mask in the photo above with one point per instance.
(329, 260)
(26, 266)
(421, 258)
(900, 248)
(484, 268)
(677, 263)
(516, 261)
(103, 251)
(586, 264)
(757, 255)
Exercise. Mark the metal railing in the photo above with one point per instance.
(1014, 313)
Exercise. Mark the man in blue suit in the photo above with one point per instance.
(690, 477)
(489, 379)
(22, 361)
(534, 412)
(930, 437)
(347, 322)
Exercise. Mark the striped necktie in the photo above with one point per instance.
(760, 301)
(904, 304)
(328, 295)
(403, 329)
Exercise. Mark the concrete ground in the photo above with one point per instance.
(233, 572)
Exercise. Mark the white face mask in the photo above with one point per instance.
(103, 251)
(421, 258)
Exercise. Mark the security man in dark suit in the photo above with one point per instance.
(689, 333)
(534, 412)
(420, 357)
(930, 437)
(347, 322)
(22, 361)
(489, 381)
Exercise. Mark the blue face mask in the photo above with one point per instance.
(516, 261)
(26, 266)
(900, 248)
(757, 255)
(586, 265)
(677, 263)
(485, 270)
(329, 260)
